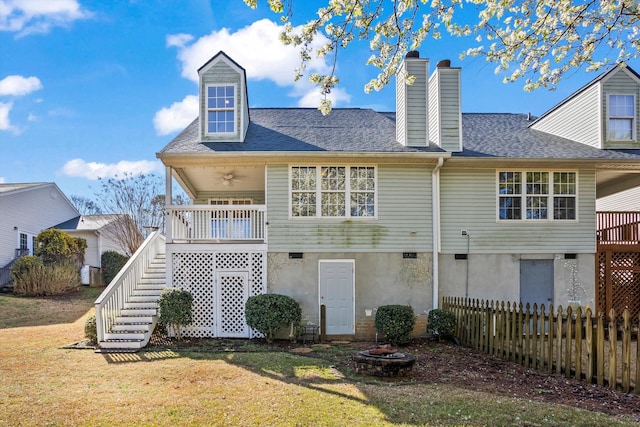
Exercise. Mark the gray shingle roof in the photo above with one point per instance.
(352, 130)
(349, 130)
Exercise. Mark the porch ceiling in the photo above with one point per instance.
(612, 181)
(197, 180)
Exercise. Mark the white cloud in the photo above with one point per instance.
(3, 180)
(312, 97)
(93, 170)
(257, 48)
(39, 16)
(16, 85)
(177, 116)
(5, 122)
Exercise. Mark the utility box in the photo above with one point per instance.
(85, 276)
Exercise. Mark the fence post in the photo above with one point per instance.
(551, 340)
(613, 348)
(578, 329)
(534, 342)
(568, 342)
(589, 345)
(626, 352)
(559, 321)
(600, 349)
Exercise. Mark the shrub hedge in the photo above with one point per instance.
(396, 323)
(441, 323)
(112, 263)
(269, 313)
(31, 277)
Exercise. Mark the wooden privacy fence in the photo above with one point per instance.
(573, 343)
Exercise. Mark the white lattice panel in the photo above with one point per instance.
(217, 308)
(233, 291)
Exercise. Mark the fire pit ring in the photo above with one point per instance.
(383, 362)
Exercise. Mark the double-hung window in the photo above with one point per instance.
(621, 123)
(221, 109)
(333, 191)
(537, 195)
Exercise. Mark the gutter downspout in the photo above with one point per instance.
(435, 202)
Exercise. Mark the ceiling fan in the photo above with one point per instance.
(228, 179)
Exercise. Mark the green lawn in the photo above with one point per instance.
(43, 384)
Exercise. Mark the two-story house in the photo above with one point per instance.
(359, 208)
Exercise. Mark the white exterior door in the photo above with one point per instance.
(337, 294)
(232, 294)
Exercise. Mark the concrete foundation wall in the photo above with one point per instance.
(497, 277)
(380, 279)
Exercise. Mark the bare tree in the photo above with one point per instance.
(85, 206)
(139, 201)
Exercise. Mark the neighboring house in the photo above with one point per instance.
(100, 232)
(25, 210)
(360, 209)
(628, 200)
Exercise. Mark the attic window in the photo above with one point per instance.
(621, 117)
(221, 109)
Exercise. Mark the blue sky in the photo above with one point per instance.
(95, 88)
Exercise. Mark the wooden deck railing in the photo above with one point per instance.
(227, 223)
(618, 227)
(577, 344)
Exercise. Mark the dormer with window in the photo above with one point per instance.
(224, 113)
(603, 113)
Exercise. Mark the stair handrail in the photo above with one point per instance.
(112, 299)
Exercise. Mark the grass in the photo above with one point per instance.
(45, 385)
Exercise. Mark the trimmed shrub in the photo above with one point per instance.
(175, 309)
(56, 246)
(441, 323)
(269, 313)
(112, 263)
(91, 330)
(31, 277)
(396, 323)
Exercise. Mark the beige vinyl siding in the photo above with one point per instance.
(220, 73)
(621, 83)
(468, 202)
(434, 109)
(403, 223)
(444, 109)
(417, 105)
(578, 119)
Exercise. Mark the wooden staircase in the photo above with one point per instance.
(132, 326)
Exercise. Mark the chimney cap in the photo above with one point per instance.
(445, 63)
(413, 54)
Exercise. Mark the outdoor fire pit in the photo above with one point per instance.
(383, 361)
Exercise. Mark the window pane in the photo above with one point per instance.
(509, 182)
(537, 207)
(362, 178)
(564, 208)
(303, 178)
(333, 204)
(510, 207)
(362, 204)
(303, 204)
(621, 106)
(564, 183)
(333, 178)
(537, 183)
(620, 129)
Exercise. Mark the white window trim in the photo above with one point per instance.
(207, 109)
(523, 197)
(633, 118)
(347, 192)
(229, 201)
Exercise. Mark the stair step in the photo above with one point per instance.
(133, 320)
(130, 327)
(147, 292)
(140, 305)
(148, 298)
(124, 335)
(134, 312)
(121, 344)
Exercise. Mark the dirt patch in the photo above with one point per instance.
(444, 362)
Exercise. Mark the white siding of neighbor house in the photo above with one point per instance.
(621, 83)
(30, 211)
(411, 104)
(445, 126)
(628, 200)
(403, 223)
(468, 202)
(222, 73)
(578, 119)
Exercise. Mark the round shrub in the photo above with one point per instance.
(441, 323)
(268, 313)
(56, 246)
(395, 322)
(112, 263)
(91, 330)
(175, 309)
